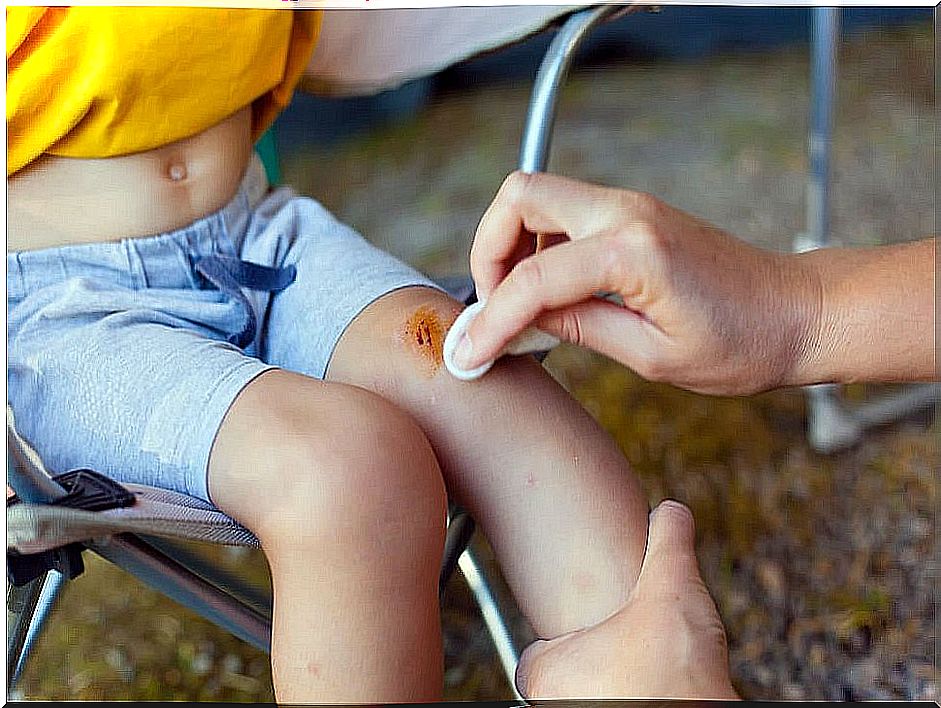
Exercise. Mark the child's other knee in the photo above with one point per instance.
(336, 463)
(365, 470)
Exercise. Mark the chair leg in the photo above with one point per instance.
(28, 608)
(258, 600)
(833, 426)
(459, 553)
(167, 576)
(494, 617)
(460, 529)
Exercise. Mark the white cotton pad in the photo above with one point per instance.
(529, 341)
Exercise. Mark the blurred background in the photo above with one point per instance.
(824, 567)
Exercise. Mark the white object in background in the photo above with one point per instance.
(361, 52)
(529, 341)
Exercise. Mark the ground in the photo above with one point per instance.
(824, 568)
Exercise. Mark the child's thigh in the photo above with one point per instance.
(132, 385)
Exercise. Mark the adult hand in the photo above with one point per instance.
(701, 309)
(666, 642)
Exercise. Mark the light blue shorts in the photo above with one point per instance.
(124, 357)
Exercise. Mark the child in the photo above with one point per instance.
(172, 321)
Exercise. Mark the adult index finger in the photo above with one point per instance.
(527, 204)
(566, 274)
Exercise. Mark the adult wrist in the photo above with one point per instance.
(812, 319)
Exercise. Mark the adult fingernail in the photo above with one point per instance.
(673, 505)
(464, 352)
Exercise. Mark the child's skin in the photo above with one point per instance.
(344, 480)
(549, 488)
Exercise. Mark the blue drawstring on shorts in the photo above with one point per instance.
(230, 274)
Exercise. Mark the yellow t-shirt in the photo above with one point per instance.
(105, 81)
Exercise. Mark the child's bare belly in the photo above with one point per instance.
(58, 201)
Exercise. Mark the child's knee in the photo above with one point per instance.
(349, 467)
(398, 337)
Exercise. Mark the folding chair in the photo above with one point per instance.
(142, 529)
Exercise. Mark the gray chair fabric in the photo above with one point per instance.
(32, 528)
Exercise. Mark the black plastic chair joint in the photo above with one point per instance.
(85, 489)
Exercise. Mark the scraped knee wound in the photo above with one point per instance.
(423, 334)
(529, 341)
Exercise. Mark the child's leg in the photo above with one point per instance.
(550, 489)
(345, 494)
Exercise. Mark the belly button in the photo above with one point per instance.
(177, 172)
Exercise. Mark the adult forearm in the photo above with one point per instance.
(875, 314)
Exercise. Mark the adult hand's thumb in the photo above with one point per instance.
(670, 559)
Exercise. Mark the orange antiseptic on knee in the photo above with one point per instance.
(423, 334)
